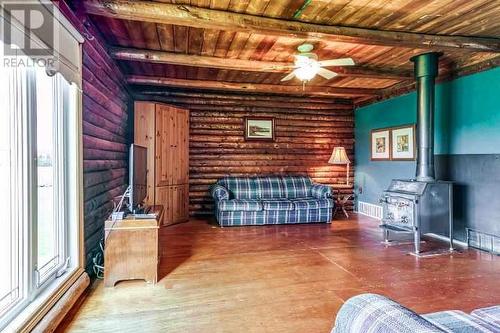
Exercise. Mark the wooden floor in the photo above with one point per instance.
(281, 279)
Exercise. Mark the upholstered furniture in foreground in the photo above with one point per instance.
(271, 200)
(378, 314)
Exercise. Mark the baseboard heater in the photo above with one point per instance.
(371, 210)
(483, 241)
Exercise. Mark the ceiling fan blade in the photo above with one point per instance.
(278, 67)
(326, 73)
(288, 77)
(337, 62)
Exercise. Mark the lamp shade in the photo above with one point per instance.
(339, 156)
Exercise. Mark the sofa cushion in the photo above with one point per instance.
(239, 204)
(312, 203)
(296, 186)
(240, 187)
(378, 314)
(270, 187)
(491, 315)
(458, 321)
(278, 204)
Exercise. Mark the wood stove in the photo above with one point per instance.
(421, 205)
(417, 207)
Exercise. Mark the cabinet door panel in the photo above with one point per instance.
(144, 135)
(174, 199)
(164, 145)
(172, 145)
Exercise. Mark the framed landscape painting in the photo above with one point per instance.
(259, 128)
(403, 143)
(380, 144)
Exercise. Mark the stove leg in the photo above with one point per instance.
(416, 236)
(386, 236)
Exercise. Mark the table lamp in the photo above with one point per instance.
(339, 156)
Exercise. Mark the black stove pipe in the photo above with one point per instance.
(426, 71)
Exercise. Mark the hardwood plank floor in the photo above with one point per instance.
(281, 279)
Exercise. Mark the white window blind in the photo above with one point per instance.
(62, 39)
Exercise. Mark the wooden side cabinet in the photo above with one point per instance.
(164, 130)
(131, 249)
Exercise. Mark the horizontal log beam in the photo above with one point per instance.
(94, 178)
(250, 87)
(173, 58)
(245, 97)
(185, 15)
(214, 103)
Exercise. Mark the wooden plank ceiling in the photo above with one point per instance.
(233, 44)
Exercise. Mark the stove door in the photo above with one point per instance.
(399, 212)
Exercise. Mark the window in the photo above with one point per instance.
(38, 182)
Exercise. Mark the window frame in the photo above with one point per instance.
(61, 185)
(36, 295)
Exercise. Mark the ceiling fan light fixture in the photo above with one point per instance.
(307, 71)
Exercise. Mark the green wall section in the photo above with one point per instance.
(467, 121)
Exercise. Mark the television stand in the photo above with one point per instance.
(131, 248)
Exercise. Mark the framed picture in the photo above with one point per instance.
(380, 144)
(403, 143)
(259, 128)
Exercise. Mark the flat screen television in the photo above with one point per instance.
(137, 176)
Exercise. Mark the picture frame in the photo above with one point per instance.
(403, 143)
(380, 144)
(259, 129)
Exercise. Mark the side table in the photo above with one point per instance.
(341, 200)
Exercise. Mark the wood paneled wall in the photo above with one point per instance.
(106, 132)
(307, 129)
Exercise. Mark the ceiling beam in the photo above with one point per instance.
(252, 87)
(242, 97)
(173, 58)
(185, 15)
(262, 104)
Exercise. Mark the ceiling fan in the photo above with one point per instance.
(306, 65)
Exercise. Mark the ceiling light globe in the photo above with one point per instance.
(307, 71)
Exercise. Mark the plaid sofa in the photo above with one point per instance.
(378, 314)
(271, 200)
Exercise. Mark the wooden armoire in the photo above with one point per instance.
(164, 130)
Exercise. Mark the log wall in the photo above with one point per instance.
(307, 129)
(106, 132)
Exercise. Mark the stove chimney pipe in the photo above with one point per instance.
(426, 70)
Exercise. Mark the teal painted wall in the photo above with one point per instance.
(467, 121)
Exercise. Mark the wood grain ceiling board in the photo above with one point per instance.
(188, 72)
(432, 16)
(241, 45)
(450, 17)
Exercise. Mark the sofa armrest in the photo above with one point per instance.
(219, 192)
(320, 191)
(376, 313)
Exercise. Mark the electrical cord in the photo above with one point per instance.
(98, 259)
